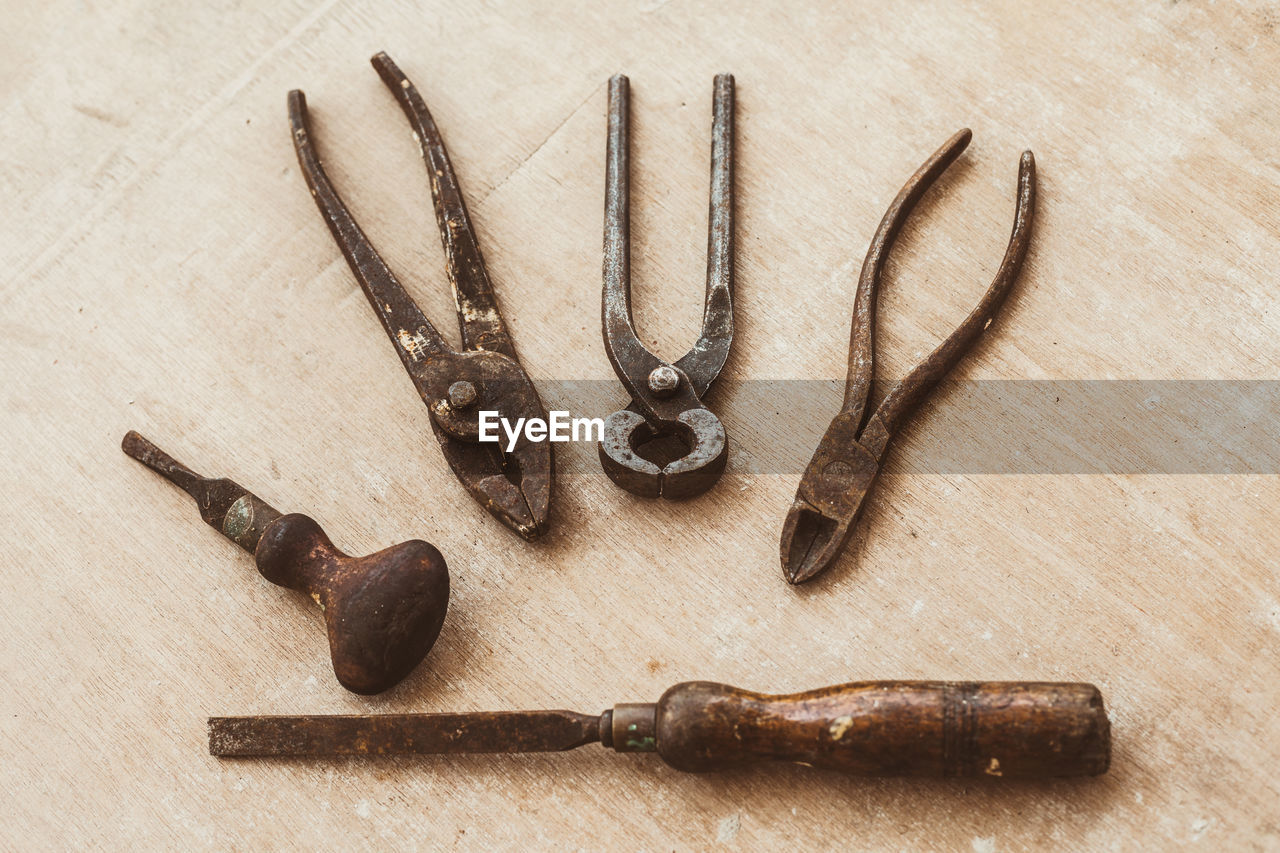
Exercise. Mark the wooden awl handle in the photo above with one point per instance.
(382, 611)
(876, 728)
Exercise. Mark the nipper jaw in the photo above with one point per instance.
(515, 485)
(665, 402)
(689, 475)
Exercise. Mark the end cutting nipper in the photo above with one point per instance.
(835, 484)
(666, 397)
(515, 487)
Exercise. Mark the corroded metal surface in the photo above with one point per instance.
(845, 465)
(226, 506)
(876, 728)
(382, 612)
(391, 734)
(514, 486)
(666, 398)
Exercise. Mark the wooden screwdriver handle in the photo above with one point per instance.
(891, 728)
(382, 611)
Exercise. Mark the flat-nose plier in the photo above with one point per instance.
(515, 486)
(835, 484)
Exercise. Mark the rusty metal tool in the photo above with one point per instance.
(666, 442)
(382, 612)
(873, 728)
(847, 461)
(515, 487)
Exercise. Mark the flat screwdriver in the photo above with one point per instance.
(1012, 729)
(382, 612)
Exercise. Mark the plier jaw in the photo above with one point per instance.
(513, 485)
(828, 502)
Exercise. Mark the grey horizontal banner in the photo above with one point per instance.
(1208, 426)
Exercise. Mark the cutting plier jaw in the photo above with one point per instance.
(829, 500)
(811, 541)
(816, 532)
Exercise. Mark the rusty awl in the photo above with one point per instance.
(382, 612)
(833, 490)
(875, 728)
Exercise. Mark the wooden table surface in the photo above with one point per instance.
(166, 270)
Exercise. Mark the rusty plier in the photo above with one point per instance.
(834, 487)
(666, 397)
(515, 486)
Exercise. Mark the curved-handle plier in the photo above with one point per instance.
(835, 484)
(515, 486)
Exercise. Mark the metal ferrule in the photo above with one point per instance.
(246, 520)
(631, 727)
